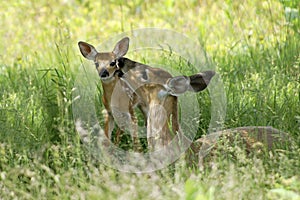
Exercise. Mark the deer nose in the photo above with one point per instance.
(103, 73)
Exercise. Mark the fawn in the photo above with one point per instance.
(158, 93)
(128, 84)
(111, 66)
(253, 138)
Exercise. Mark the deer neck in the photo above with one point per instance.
(126, 64)
(108, 88)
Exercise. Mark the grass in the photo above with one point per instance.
(255, 45)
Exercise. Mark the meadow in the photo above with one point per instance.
(255, 46)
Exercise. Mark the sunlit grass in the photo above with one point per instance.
(255, 45)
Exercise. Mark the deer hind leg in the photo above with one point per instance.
(134, 130)
(119, 133)
(157, 127)
(126, 121)
(175, 122)
(174, 137)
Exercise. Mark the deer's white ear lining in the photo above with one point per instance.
(167, 91)
(177, 85)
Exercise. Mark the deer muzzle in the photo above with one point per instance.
(104, 73)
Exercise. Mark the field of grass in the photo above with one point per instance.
(254, 44)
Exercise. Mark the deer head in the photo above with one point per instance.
(107, 63)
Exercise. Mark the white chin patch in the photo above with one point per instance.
(107, 79)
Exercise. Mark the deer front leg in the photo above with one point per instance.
(109, 124)
(109, 127)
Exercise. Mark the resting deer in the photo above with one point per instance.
(127, 84)
(253, 138)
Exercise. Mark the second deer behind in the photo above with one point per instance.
(128, 84)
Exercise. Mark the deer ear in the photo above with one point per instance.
(177, 85)
(121, 47)
(180, 84)
(87, 50)
(199, 82)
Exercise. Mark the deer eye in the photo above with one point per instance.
(97, 64)
(113, 63)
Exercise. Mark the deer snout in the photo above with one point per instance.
(103, 73)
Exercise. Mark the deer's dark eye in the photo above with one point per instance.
(97, 64)
(113, 63)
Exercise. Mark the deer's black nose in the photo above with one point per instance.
(104, 73)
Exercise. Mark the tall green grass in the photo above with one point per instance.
(254, 44)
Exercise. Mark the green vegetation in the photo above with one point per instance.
(255, 45)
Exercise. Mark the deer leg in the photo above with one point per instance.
(157, 125)
(134, 130)
(175, 123)
(119, 132)
(150, 135)
(109, 125)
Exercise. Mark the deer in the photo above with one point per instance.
(160, 94)
(110, 67)
(158, 91)
(128, 84)
(254, 139)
